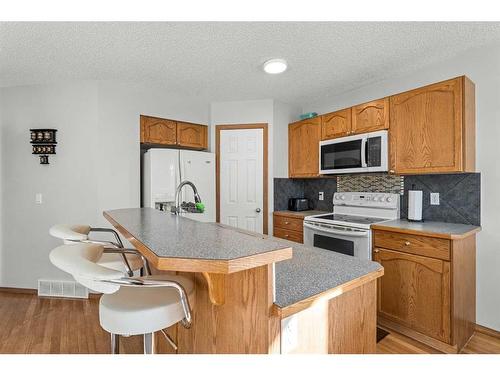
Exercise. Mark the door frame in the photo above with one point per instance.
(265, 145)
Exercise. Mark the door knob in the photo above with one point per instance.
(257, 210)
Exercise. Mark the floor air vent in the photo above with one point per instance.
(59, 288)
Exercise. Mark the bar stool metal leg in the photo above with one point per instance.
(149, 343)
(115, 344)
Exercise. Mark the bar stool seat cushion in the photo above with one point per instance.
(115, 262)
(137, 311)
(70, 233)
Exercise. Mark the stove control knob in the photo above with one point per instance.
(342, 197)
(375, 198)
(388, 199)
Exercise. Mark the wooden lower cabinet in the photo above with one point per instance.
(426, 297)
(415, 292)
(288, 226)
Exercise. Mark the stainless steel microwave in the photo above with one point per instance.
(356, 153)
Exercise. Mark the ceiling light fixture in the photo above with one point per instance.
(275, 66)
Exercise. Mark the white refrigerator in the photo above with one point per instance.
(164, 169)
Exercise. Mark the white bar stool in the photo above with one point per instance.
(115, 256)
(129, 306)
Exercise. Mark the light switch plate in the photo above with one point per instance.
(38, 198)
(435, 199)
(321, 196)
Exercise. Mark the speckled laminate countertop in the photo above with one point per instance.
(173, 236)
(429, 228)
(309, 272)
(299, 214)
(312, 271)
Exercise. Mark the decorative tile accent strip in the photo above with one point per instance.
(375, 183)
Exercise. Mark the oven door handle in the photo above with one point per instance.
(340, 232)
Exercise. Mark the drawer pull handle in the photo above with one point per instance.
(286, 235)
(407, 243)
(286, 222)
(376, 250)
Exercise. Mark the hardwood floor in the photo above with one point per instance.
(29, 324)
(394, 343)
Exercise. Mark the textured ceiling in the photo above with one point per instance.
(222, 61)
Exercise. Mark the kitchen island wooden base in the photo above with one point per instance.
(249, 322)
(244, 300)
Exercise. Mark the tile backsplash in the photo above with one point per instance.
(460, 194)
(459, 197)
(285, 188)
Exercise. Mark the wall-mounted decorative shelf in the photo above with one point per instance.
(43, 143)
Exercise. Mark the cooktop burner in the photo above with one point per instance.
(350, 218)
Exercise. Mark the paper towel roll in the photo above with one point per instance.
(415, 205)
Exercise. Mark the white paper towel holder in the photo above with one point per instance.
(415, 205)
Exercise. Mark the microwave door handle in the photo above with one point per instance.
(339, 232)
(364, 152)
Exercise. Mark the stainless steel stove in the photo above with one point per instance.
(347, 229)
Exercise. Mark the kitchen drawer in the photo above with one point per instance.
(408, 243)
(286, 222)
(291, 235)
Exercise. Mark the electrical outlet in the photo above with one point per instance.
(38, 198)
(435, 199)
(321, 196)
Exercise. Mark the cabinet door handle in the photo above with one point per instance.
(407, 243)
(286, 222)
(286, 235)
(376, 250)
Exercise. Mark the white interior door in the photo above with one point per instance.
(241, 185)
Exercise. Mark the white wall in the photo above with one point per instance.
(96, 166)
(247, 112)
(283, 115)
(120, 105)
(68, 184)
(482, 65)
(277, 116)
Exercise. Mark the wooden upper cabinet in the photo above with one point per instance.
(336, 124)
(371, 116)
(192, 135)
(303, 148)
(158, 130)
(415, 292)
(433, 128)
